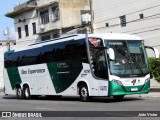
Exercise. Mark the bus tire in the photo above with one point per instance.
(118, 97)
(27, 94)
(19, 93)
(84, 94)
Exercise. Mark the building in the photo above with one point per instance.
(4, 47)
(138, 17)
(40, 20)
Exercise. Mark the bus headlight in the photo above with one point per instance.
(147, 80)
(118, 82)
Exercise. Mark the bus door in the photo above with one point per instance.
(99, 65)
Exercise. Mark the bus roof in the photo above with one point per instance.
(115, 36)
(108, 36)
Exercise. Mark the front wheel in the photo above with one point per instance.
(84, 95)
(118, 97)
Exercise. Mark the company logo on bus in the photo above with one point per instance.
(62, 65)
(133, 81)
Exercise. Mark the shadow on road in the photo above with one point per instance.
(71, 98)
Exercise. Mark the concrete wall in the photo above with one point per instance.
(71, 11)
(45, 2)
(107, 11)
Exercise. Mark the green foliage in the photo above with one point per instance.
(154, 65)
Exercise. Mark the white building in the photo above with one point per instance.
(26, 23)
(138, 17)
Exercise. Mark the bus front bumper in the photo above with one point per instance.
(116, 89)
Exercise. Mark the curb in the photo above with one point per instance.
(154, 89)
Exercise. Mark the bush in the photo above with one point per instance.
(154, 65)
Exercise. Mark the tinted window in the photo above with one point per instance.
(63, 51)
(29, 57)
(23, 58)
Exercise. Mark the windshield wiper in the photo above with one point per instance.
(136, 64)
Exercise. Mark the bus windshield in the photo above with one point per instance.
(130, 58)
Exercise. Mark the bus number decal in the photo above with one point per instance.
(103, 88)
(86, 71)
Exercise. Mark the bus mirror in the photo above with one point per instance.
(111, 54)
(156, 52)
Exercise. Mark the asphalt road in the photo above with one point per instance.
(102, 105)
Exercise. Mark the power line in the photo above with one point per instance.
(143, 28)
(136, 20)
(127, 11)
(156, 29)
(115, 6)
(127, 14)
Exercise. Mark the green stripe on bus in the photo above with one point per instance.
(63, 74)
(14, 76)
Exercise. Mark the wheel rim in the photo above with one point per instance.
(27, 92)
(84, 93)
(19, 92)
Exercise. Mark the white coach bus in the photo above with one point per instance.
(84, 65)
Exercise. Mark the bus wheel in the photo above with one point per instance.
(19, 92)
(84, 95)
(27, 95)
(118, 97)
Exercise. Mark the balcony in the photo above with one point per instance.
(45, 3)
(30, 5)
(49, 21)
(50, 26)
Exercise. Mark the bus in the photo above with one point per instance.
(85, 65)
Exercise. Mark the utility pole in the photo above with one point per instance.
(7, 34)
(91, 10)
(87, 18)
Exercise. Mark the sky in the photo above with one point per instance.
(6, 6)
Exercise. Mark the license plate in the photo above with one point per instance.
(134, 89)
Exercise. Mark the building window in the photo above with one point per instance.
(55, 35)
(44, 16)
(122, 20)
(19, 33)
(45, 37)
(56, 15)
(34, 28)
(107, 24)
(26, 30)
(141, 16)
